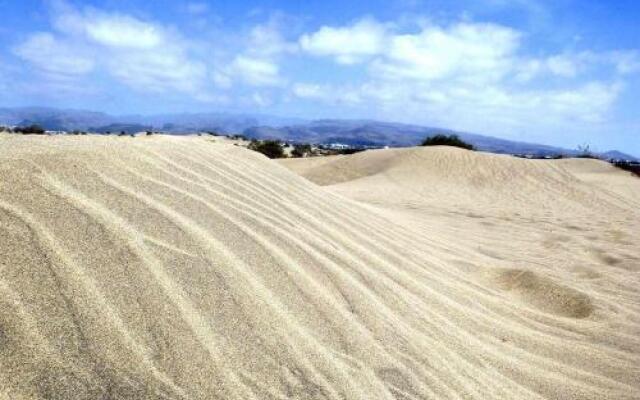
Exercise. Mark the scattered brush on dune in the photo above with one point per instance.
(177, 268)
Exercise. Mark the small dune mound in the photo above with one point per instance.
(443, 176)
(334, 170)
(544, 294)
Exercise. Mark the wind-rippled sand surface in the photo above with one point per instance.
(179, 268)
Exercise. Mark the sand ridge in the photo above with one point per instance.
(180, 268)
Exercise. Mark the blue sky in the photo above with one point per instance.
(562, 72)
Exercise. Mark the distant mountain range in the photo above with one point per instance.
(352, 132)
(67, 119)
(374, 133)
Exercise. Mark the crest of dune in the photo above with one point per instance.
(182, 268)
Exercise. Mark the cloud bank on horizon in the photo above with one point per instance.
(563, 72)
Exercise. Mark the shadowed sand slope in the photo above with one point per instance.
(179, 268)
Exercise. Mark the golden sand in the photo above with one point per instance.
(179, 268)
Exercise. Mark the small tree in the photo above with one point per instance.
(270, 148)
(444, 140)
(584, 151)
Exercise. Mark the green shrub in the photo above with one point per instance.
(301, 150)
(349, 151)
(447, 140)
(270, 148)
(30, 130)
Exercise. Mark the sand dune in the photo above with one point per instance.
(436, 175)
(180, 268)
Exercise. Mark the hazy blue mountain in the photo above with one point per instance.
(62, 119)
(185, 123)
(54, 119)
(216, 122)
(373, 133)
(618, 155)
(260, 126)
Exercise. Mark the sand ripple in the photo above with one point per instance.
(178, 268)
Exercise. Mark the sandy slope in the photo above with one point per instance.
(162, 267)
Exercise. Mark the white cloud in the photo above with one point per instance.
(349, 44)
(259, 62)
(469, 51)
(255, 71)
(487, 109)
(266, 40)
(310, 91)
(113, 30)
(54, 57)
(626, 62)
(159, 71)
(477, 53)
(140, 54)
(123, 31)
(562, 65)
(150, 57)
(572, 65)
(466, 75)
(335, 95)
